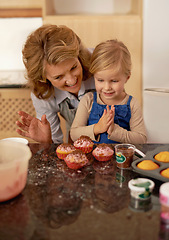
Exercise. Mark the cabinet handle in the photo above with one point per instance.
(162, 90)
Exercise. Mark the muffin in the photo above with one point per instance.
(147, 165)
(64, 149)
(77, 159)
(165, 173)
(84, 143)
(162, 156)
(103, 152)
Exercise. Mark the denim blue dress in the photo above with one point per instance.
(122, 116)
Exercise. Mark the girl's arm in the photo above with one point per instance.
(137, 133)
(79, 126)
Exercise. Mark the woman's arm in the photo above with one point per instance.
(48, 108)
(38, 130)
(137, 133)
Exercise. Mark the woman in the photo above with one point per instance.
(57, 66)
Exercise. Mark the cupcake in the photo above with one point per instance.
(147, 165)
(162, 156)
(165, 173)
(84, 143)
(77, 159)
(64, 149)
(103, 152)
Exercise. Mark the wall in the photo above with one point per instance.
(14, 32)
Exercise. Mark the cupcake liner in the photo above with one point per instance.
(61, 155)
(74, 165)
(102, 158)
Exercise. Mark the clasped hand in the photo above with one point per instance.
(106, 122)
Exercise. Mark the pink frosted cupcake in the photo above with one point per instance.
(84, 143)
(103, 152)
(64, 149)
(77, 159)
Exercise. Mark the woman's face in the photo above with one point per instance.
(66, 76)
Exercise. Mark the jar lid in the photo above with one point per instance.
(141, 188)
(164, 189)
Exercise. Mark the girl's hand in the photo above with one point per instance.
(105, 121)
(38, 130)
(111, 127)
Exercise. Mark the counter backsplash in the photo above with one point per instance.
(12, 77)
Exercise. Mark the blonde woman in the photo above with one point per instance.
(57, 67)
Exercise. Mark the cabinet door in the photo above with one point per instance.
(11, 101)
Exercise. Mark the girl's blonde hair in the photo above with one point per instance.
(111, 54)
(51, 44)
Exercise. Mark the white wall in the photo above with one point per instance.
(13, 34)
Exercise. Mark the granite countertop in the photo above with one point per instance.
(91, 203)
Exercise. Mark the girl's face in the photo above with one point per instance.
(66, 76)
(110, 86)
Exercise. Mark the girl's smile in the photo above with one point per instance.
(110, 86)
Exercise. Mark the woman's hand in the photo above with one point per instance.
(38, 130)
(105, 121)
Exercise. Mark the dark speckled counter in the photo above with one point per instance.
(92, 203)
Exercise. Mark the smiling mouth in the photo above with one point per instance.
(108, 93)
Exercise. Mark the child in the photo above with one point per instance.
(110, 115)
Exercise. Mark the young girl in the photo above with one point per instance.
(110, 115)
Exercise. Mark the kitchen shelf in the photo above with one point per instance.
(20, 12)
(18, 8)
(20, 4)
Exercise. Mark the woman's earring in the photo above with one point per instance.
(43, 80)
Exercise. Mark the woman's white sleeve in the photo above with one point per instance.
(51, 109)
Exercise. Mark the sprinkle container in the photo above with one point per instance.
(140, 192)
(164, 200)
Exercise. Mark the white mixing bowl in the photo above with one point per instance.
(14, 159)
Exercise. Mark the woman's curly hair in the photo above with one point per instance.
(51, 44)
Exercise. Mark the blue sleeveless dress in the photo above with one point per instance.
(122, 117)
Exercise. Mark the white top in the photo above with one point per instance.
(64, 103)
